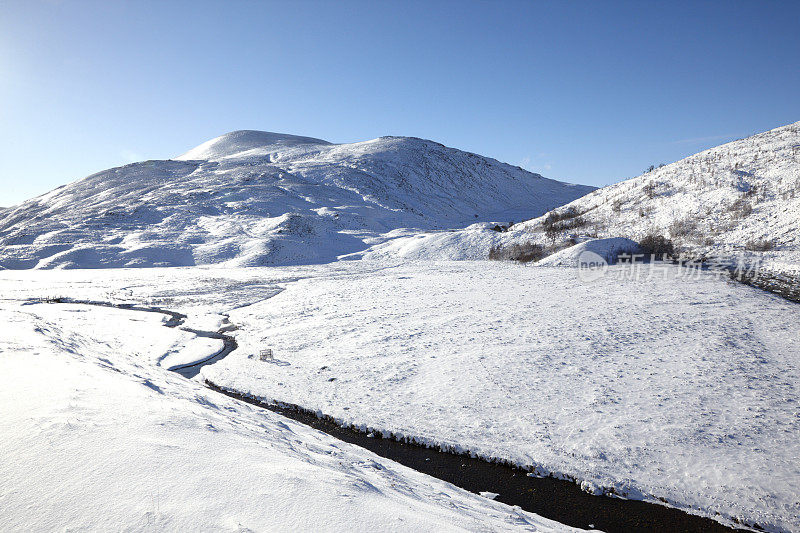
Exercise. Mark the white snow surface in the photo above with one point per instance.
(96, 436)
(471, 243)
(660, 387)
(717, 202)
(650, 387)
(252, 198)
(607, 249)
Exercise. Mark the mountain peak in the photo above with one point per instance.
(239, 141)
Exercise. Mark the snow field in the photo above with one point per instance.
(98, 437)
(683, 390)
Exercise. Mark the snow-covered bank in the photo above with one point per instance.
(557, 499)
(684, 390)
(96, 436)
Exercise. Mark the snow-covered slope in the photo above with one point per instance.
(741, 195)
(732, 196)
(470, 243)
(95, 437)
(603, 250)
(674, 385)
(257, 198)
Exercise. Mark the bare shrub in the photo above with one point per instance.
(651, 190)
(763, 245)
(682, 227)
(502, 228)
(657, 245)
(524, 253)
(551, 233)
(741, 208)
(557, 216)
(560, 221)
(577, 222)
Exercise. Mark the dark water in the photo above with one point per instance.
(552, 498)
(175, 319)
(229, 344)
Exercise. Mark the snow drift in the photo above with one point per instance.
(606, 249)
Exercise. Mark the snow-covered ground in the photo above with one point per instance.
(470, 243)
(252, 198)
(683, 390)
(648, 386)
(97, 436)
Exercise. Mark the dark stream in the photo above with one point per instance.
(176, 319)
(557, 499)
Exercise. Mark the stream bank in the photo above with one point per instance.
(552, 498)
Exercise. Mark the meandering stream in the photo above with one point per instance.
(557, 499)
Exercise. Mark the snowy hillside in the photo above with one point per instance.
(255, 198)
(744, 194)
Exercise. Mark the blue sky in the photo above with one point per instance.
(589, 92)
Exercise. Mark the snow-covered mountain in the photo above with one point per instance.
(743, 194)
(257, 198)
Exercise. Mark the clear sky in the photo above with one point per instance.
(588, 92)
